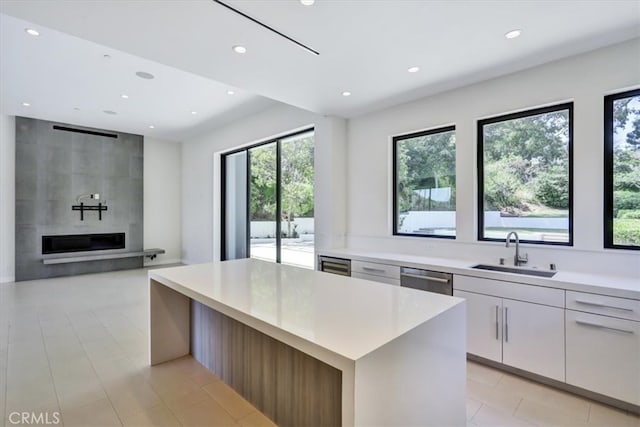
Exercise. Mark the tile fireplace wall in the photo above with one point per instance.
(53, 167)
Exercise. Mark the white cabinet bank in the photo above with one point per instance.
(575, 331)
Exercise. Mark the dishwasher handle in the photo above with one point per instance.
(430, 278)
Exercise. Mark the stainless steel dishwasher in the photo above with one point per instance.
(427, 280)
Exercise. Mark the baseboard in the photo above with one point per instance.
(7, 279)
(625, 406)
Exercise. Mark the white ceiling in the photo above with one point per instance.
(365, 47)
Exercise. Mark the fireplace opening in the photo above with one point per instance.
(82, 242)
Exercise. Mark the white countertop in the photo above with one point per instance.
(347, 316)
(623, 287)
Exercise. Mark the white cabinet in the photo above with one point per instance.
(384, 273)
(522, 334)
(603, 352)
(484, 320)
(533, 338)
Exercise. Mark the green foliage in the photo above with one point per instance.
(633, 137)
(629, 181)
(538, 140)
(526, 162)
(263, 182)
(621, 113)
(625, 200)
(625, 160)
(296, 178)
(628, 214)
(553, 188)
(425, 162)
(500, 188)
(626, 232)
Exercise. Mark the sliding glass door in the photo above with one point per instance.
(275, 220)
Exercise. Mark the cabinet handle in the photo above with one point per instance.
(497, 308)
(597, 325)
(429, 278)
(506, 324)
(373, 269)
(597, 304)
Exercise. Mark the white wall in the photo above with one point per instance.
(162, 200)
(7, 197)
(201, 176)
(583, 79)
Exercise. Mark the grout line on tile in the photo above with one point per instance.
(93, 368)
(53, 381)
(477, 410)
(517, 407)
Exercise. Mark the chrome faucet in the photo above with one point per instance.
(517, 259)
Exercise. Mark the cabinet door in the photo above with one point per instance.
(534, 338)
(484, 334)
(603, 355)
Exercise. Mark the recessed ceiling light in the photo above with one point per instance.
(346, 93)
(144, 75)
(413, 69)
(307, 2)
(194, 112)
(151, 127)
(26, 104)
(239, 49)
(32, 32)
(110, 112)
(513, 34)
(124, 96)
(230, 92)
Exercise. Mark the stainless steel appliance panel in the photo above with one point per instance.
(333, 265)
(427, 280)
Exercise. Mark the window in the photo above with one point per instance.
(622, 170)
(525, 176)
(268, 201)
(424, 183)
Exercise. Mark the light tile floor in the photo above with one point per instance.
(76, 348)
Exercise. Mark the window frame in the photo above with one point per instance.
(395, 140)
(223, 191)
(608, 169)
(480, 167)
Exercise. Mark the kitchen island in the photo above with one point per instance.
(312, 348)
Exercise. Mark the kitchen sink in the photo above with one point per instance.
(516, 270)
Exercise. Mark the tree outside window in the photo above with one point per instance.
(425, 183)
(622, 170)
(524, 174)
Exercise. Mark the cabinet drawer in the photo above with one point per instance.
(375, 269)
(600, 304)
(602, 355)
(511, 290)
(381, 279)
